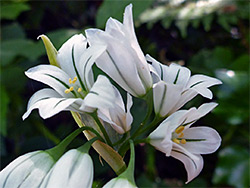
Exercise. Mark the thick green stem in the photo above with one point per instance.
(58, 150)
(129, 172)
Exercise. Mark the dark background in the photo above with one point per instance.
(209, 37)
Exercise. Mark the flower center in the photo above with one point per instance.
(180, 134)
(72, 88)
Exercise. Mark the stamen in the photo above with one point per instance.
(74, 80)
(176, 140)
(181, 135)
(67, 91)
(179, 129)
(79, 90)
(71, 88)
(183, 141)
(70, 81)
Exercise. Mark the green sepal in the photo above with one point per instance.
(50, 49)
(129, 172)
(57, 151)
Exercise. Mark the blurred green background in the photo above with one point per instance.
(208, 36)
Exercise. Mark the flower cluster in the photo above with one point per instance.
(98, 106)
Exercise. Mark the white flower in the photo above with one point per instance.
(119, 118)
(74, 169)
(175, 138)
(174, 86)
(26, 170)
(123, 59)
(73, 86)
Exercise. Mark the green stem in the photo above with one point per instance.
(94, 115)
(58, 150)
(85, 148)
(151, 126)
(129, 172)
(149, 112)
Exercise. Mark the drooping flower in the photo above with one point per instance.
(123, 59)
(26, 170)
(73, 86)
(30, 170)
(176, 138)
(174, 86)
(73, 169)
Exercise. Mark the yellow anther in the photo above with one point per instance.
(183, 141)
(70, 81)
(176, 140)
(79, 90)
(71, 88)
(181, 135)
(179, 129)
(67, 91)
(74, 80)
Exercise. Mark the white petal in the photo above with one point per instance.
(116, 115)
(86, 62)
(64, 56)
(74, 169)
(118, 183)
(114, 25)
(119, 62)
(50, 103)
(52, 76)
(209, 138)
(165, 97)
(27, 170)
(200, 83)
(168, 125)
(193, 163)
(157, 69)
(194, 114)
(184, 98)
(177, 74)
(101, 95)
(129, 117)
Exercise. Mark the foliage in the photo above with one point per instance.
(216, 43)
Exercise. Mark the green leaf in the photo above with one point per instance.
(13, 10)
(233, 167)
(4, 101)
(115, 9)
(182, 25)
(13, 31)
(207, 21)
(10, 49)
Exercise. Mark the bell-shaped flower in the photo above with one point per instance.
(27, 170)
(30, 170)
(123, 59)
(174, 86)
(176, 138)
(126, 179)
(73, 169)
(73, 86)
